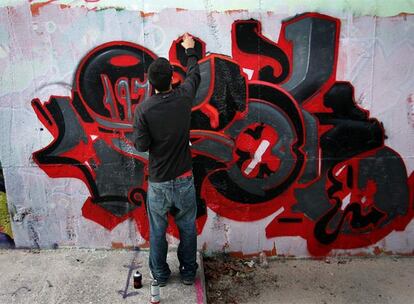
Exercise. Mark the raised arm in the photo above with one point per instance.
(192, 79)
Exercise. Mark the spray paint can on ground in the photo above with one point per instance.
(137, 280)
(155, 292)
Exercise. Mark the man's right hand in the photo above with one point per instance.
(188, 41)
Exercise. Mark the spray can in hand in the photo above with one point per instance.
(155, 292)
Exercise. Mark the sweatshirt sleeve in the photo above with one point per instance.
(192, 79)
(141, 136)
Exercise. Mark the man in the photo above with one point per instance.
(162, 126)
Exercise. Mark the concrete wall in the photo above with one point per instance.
(303, 126)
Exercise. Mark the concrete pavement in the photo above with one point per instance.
(87, 276)
(105, 276)
(333, 280)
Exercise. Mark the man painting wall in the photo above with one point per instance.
(162, 127)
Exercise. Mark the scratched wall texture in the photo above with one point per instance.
(302, 131)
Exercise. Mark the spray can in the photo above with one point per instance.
(137, 280)
(155, 292)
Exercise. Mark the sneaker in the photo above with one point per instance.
(187, 281)
(161, 283)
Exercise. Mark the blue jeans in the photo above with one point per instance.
(178, 197)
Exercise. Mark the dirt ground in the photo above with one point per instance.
(331, 280)
(231, 280)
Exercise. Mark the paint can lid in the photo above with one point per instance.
(137, 274)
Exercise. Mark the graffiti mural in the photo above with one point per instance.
(6, 235)
(273, 132)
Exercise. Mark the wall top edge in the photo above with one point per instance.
(380, 8)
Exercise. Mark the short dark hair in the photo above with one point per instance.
(160, 73)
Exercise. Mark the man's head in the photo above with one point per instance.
(160, 73)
